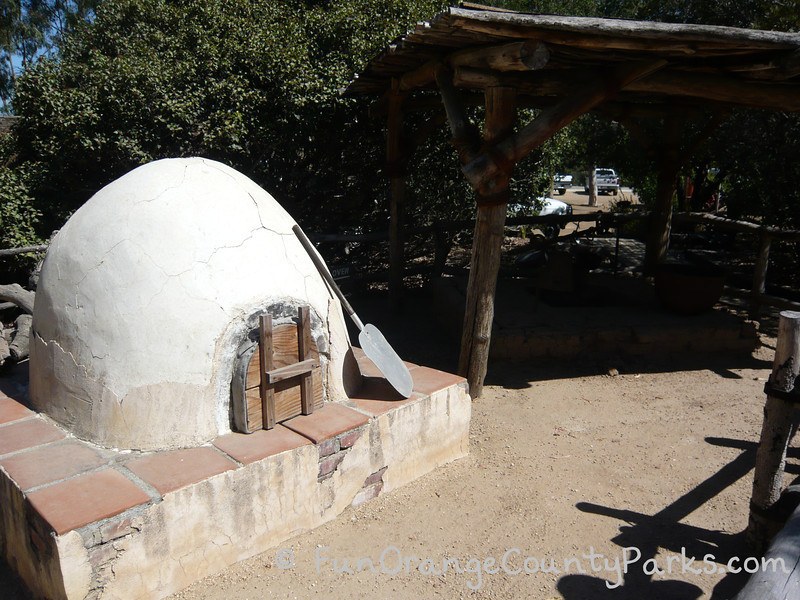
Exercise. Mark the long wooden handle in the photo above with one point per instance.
(323, 270)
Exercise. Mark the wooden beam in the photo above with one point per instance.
(774, 66)
(465, 135)
(539, 84)
(304, 367)
(607, 33)
(775, 433)
(484, 167)
(674, 83)
(718, 88)
(23, 250)
(304, 354)
(760, 275)
(420, 77)
(486, 249)
(529, 55)
(789, 235)
(265, 354)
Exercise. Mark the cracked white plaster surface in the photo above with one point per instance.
(140, 293)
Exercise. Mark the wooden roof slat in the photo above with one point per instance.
(775, 96)
(738, 67)
(625, 28)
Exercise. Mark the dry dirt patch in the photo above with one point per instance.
(558, 469)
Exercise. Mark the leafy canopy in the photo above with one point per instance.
(252, 83)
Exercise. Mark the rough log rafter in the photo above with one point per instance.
(465, 135)
(516, 56)
(567, 66)
(483, 168)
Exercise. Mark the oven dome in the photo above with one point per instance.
(146, 293)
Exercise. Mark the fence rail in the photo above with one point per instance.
(604, 222)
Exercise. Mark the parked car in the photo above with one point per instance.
(561, 183)
(542, 206)
(606, 180)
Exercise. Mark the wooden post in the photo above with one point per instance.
(669, 163)
(397, 194)
(661, 222)
(592, 186)
(265, 349)
(671, 156)
(775, 434)
(760, 274)
(304, 354)
(486, 246)
(778, 584)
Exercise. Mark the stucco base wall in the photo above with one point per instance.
(159, 547)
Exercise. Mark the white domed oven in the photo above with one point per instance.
(149, 304)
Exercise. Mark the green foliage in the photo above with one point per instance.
(18, 217)
(759, 170)
(255, 84)
(29, 28)
(252, 83)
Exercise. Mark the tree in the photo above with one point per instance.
(253, 83)
(29, 28)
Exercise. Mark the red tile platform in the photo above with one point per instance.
(54, 486)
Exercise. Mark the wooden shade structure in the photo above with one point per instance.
(566, 66)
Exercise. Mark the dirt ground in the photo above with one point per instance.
(579, 200)
(561, 465)
(568, 465)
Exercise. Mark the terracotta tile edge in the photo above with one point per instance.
(33, 415)
(147, 488)
(334, 435)
(240, 464)
(81, 529)
(36, 447)
(108, 464)
(400, 404)
(237, 463)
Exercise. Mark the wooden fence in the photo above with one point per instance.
(604, 222)
(756, 295)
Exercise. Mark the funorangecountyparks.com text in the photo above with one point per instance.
(393, 561)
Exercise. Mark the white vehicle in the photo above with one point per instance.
(561, 183)
(541, 207)
(606, 181)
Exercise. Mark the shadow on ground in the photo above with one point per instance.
(417, 334)
(705, 549)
